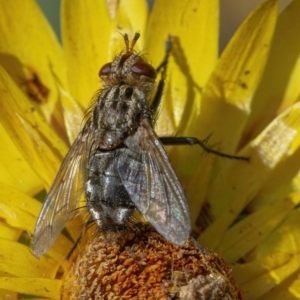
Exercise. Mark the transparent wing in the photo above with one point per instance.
(63, 196)
(153, 186)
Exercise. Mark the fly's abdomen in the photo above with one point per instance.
(106, 196)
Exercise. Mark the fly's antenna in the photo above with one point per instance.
(134, 40)
(126, 40)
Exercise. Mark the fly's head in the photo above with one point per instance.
(129, 68)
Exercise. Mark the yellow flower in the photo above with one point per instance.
(248, 98)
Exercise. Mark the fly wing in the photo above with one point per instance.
(153, 186)
(64, 195)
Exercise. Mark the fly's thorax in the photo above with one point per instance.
(129, 83)
(116, 114)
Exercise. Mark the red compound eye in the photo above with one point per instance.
(142, 68)
(105, 70)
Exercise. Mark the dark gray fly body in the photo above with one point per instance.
(108, 201)
(119, 160)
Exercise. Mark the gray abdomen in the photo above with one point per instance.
(106, 196)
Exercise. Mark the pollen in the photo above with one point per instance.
(143, 265)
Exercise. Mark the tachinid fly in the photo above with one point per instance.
(118, 160)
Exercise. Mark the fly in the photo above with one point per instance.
(119, 160)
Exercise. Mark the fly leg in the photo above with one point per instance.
(162, 68)
(75, 245)
(177, 141)
(86, 226)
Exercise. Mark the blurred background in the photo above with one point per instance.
(233, 12)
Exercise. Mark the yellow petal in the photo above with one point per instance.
(20, 212)
(16, 217)
(60, 250)
(86, 28)
(121, 26)
(194, 27)
(42, 287)
(280, 84)
(238, 184)
(285, 239)
(58, 253)
(292, 93)
(19, 209)
(287, 290)
(131, 16)
(137, 14)
(72, 113)
(283, 158)
(33, 137)
(7, 232)
(13, 255)
(254, 229)
(281, 152)
(15, 171)
(226, 100)
(259, 277)
(5, 294)
(32, 56)
(228, 95)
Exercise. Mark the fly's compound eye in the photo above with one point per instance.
(142, 68)
(105, 70)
